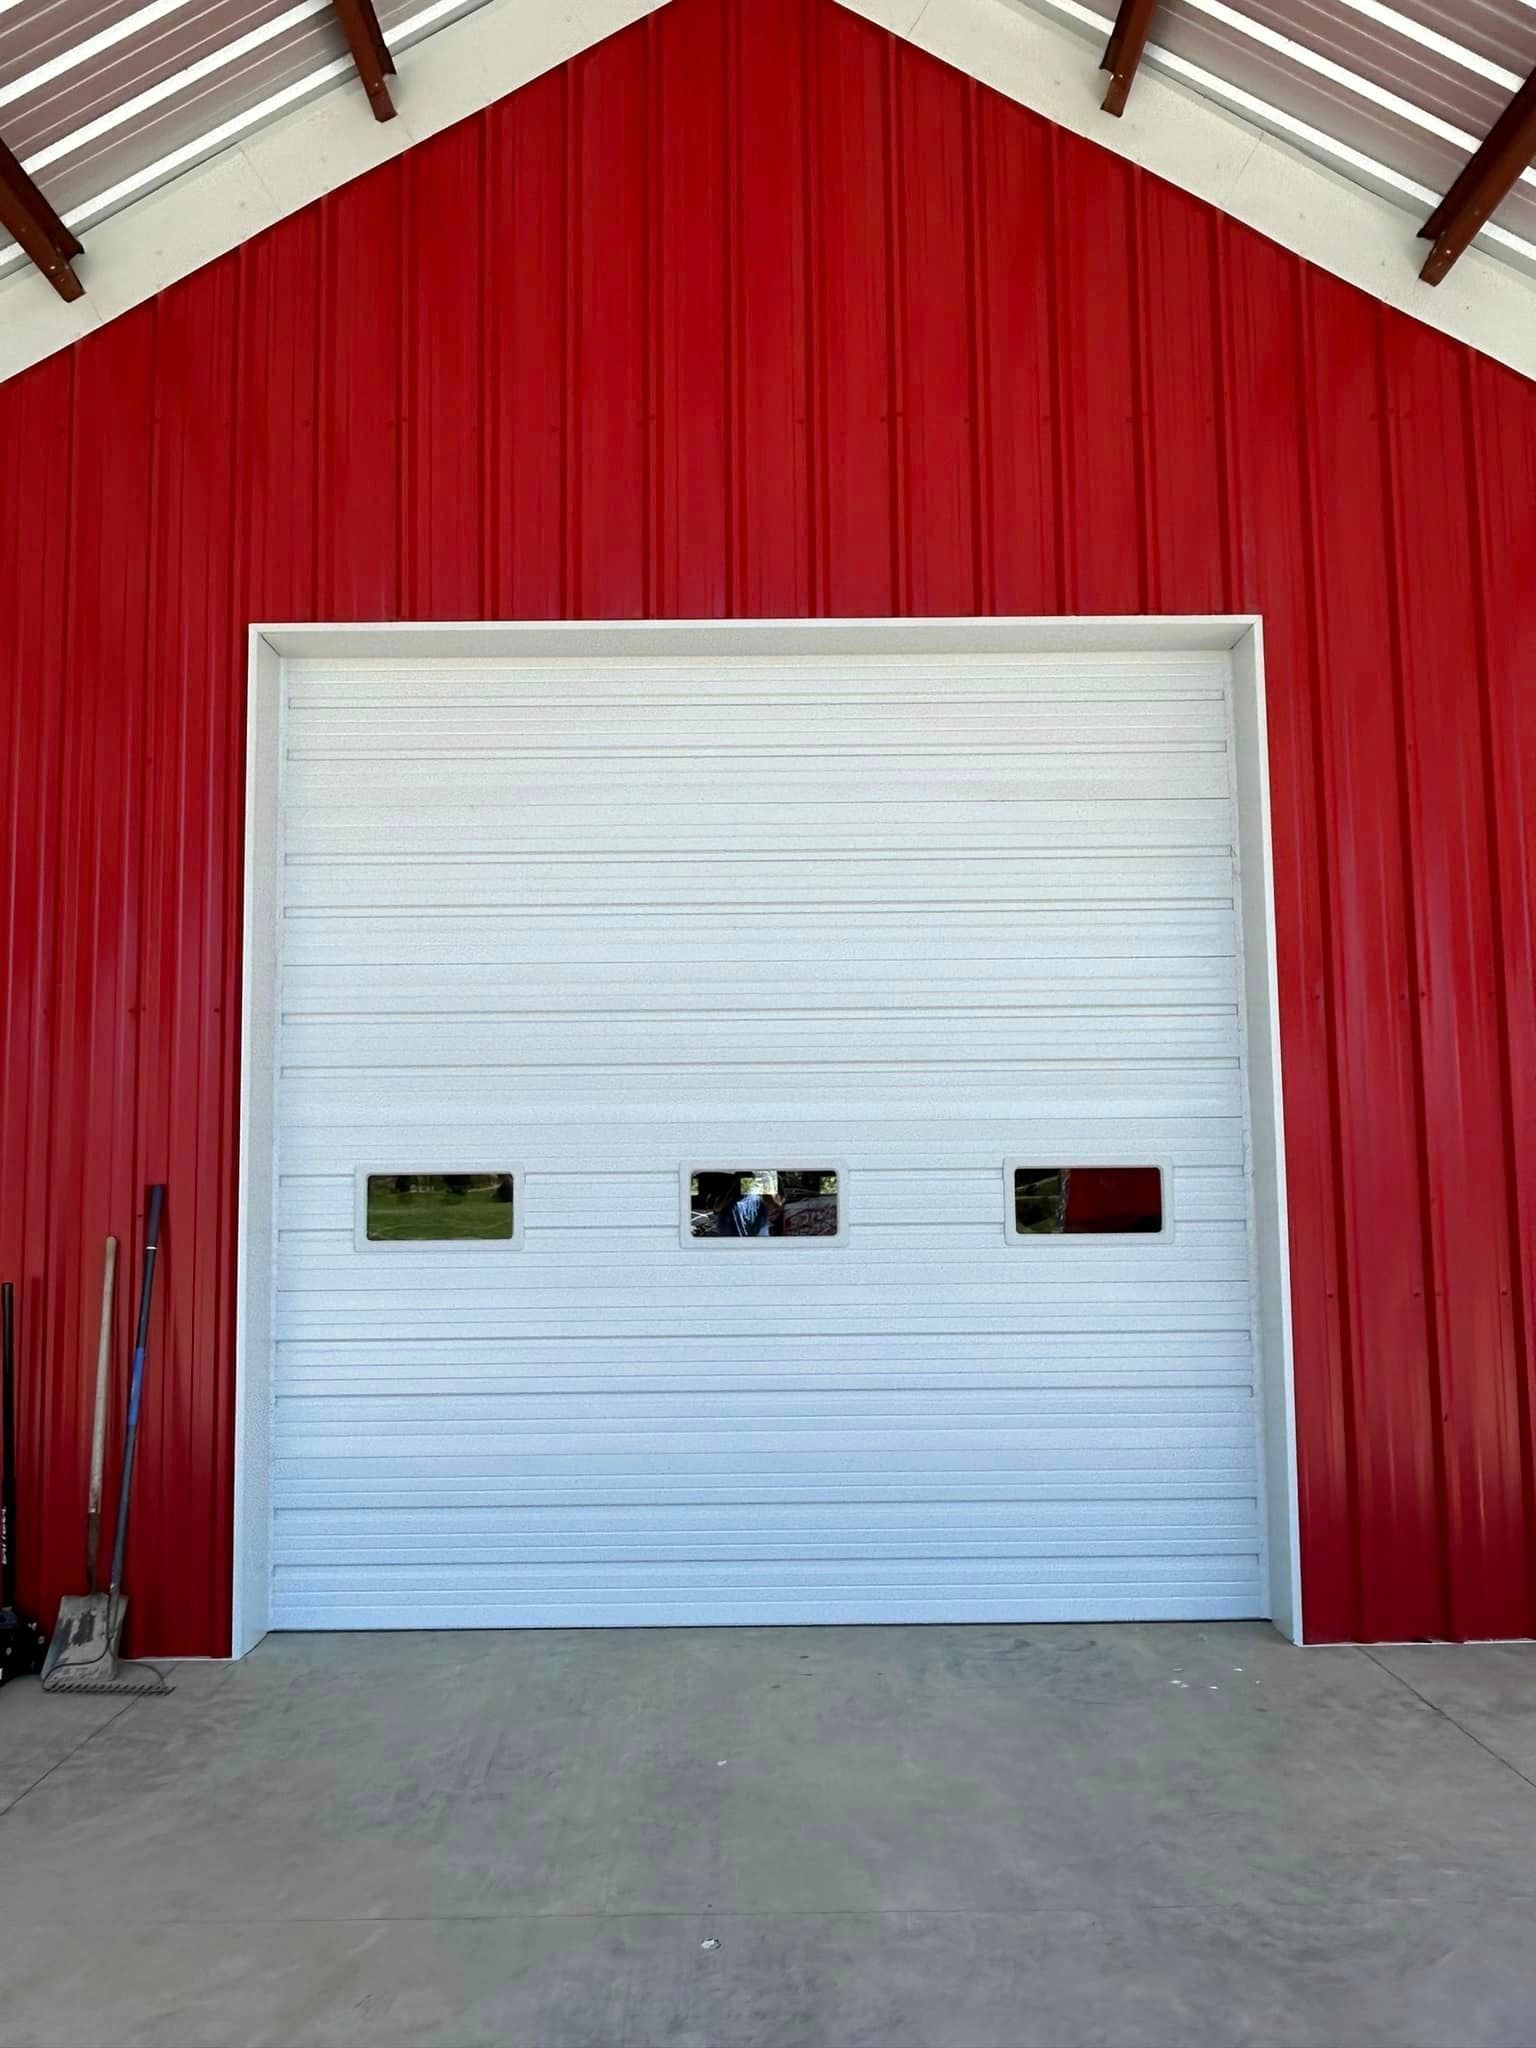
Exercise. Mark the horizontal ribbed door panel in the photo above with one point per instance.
(600, 922)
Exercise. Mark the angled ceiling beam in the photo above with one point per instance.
(370, 53)
(36, 228)
(1486, 177)
(1122, 54)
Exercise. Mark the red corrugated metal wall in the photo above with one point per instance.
(753, 310)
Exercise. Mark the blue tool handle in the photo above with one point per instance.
(136, 1382)
(136, 1387)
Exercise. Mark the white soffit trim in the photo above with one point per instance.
(1234, 152)
(287, 160)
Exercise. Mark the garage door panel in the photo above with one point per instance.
(1206, 1143)
(407, 990)
(531, 1550)
(793, 1609)
(333, 1492)
(698, 1277)
(907, 920)
(1159, 876)
(379, 1422)
(314, 1366)
(795, 728)
(797, 1434)
(506, 1534)
(886, 1037)
(638, 675)
(954, 1471)
(307, 1318)
(367, 1385)
(710, 1270)
(535, 820)
(631, 1240)
(1032, 938)
(920, 1105)
(1094, 1589)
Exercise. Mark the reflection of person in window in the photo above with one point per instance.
(750, 1215)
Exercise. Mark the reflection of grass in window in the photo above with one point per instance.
(433, 1210)
(1039, 1204)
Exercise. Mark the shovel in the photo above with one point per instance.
(83, 1654)
(75, 1629)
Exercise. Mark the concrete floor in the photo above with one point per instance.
(957, 1837)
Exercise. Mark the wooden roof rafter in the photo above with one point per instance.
(1123, 52)
(370, 53)
(36, 228)
(1487, 177)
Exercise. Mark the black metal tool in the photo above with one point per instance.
(22, 1642)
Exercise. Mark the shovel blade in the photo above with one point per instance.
(82, 1657)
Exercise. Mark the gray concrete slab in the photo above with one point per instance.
(1485, 1688)
(952, 1837)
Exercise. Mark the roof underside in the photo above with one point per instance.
(107, 102)
(1396, 97)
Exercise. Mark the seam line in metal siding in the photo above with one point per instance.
(1346, 1323)
(325, 409)
(30, 1046)
(316, 416)
(409, 478)
(1433, 1329)
(653, 477)
(134, 914)
(47, 1045)
(1065, 551)
(570, 450)
(221, 954)
(488, 448)
(817, 459)
(898, 440)
(979, 316)
(733, 315)
(1143, 454)
(1221, 405)
(485, 441)
(1473, 447)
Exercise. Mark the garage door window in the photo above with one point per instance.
(405, 1207)
(736, 1204)
(1086, 1201)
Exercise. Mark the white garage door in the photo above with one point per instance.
(929, 966)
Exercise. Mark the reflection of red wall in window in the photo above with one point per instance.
(1110, 1198)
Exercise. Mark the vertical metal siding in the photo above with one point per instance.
(753, 310)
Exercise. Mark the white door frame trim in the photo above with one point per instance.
(271, 645)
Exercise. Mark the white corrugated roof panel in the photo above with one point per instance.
(102, 103)
(1410, 105)
(1396, 94)
(104, 100)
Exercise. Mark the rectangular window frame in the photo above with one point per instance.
(450, 1247)
(690, 1167)
(1151, 1240)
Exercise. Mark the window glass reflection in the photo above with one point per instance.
(1087, 1201)
(763, 1201)
(439, 1207)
